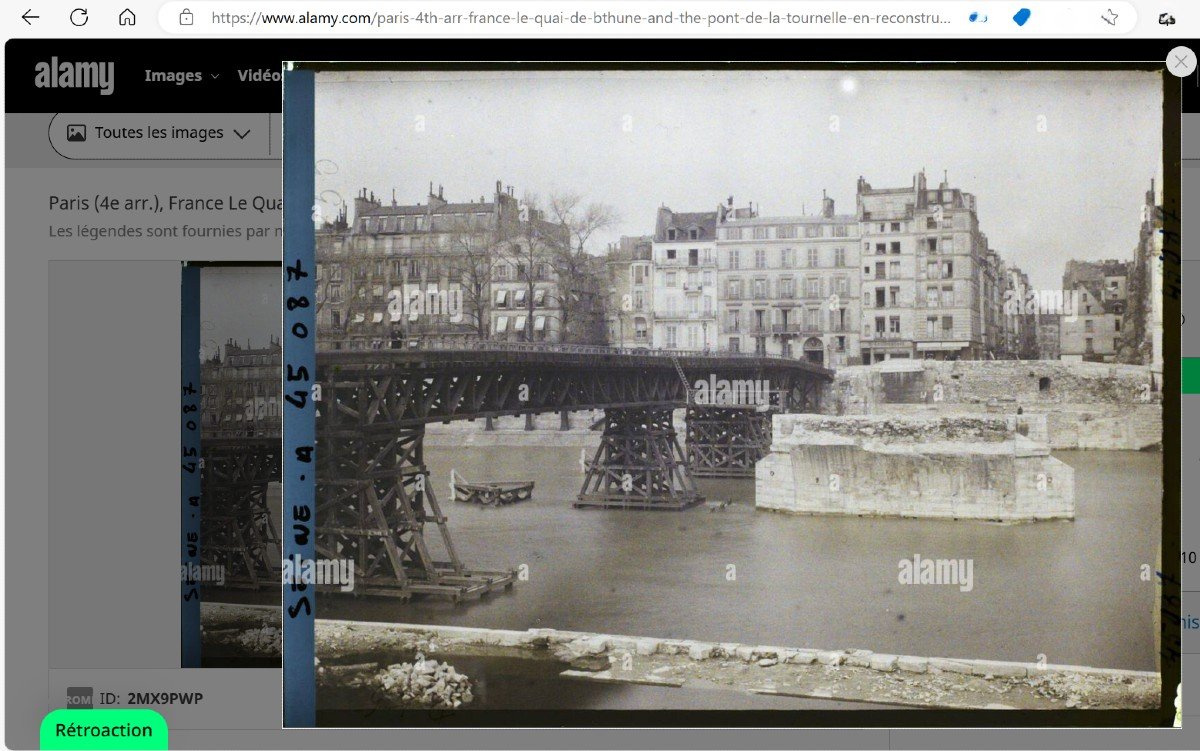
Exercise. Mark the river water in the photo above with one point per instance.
(1071, 591)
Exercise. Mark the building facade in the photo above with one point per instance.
(240, 391)
(684, 294)
(629, 304)
(928, 287)
(788, 286)
(1099, 290)
(441, 273)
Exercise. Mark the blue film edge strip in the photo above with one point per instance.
(189, 440)
(299, 413)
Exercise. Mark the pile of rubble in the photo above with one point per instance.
(265, 640)
(425, 683)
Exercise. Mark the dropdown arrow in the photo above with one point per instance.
(241, 136)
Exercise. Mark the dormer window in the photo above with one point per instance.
(693, 234)
(671, 233)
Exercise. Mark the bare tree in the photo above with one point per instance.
(475, 259)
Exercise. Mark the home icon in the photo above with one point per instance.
(126, 18)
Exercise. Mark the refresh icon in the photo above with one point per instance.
(79, 17)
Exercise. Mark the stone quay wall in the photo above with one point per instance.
(961, 466)
(1085, 405)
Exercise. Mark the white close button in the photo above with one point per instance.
(1181, 61)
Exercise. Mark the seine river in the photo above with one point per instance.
(1071, 591)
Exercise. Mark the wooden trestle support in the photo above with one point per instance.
(374, 501)
(237, 532)
(726, 441)
(639, 464)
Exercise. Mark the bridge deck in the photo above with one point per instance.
(568, 355)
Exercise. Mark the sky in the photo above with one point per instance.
(1059, 161)
(239, 302)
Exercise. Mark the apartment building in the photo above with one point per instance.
(629, 307)
(789, 285)
(1094, 333)
(928, 288)
(683, 284)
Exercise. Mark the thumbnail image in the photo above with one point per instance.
(737, 389)
(240, 438)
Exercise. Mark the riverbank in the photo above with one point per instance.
(348, 649)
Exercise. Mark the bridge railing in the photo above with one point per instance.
(597, 349)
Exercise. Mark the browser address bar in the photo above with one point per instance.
(647, 18)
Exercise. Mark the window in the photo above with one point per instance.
(732, 320)
(895, 248)
(734, 289)
(812, 230)
(639, 274)
(734, 259)
(894, 296)
(894, 269)
(812, 319)
(671, 252)
(501, 298)
(735, 344)
(931, 326)
(693, 234)
(1089, 325)
(335, 318)
(840, 343)
(787, 258)
(931, 297)
(880, 249)
(733, 233)
(694, 257)
(841, 230)
(814, 286)
(880, 297)
(671, 236)
(895, 226)
(669, 279)
(760, 288)
(930, 222)
(932, 244)
(671, 334)
(760, 233)
(1117, 323)
(786, 232)
(881, 270)
(880, 324)
(760, 258)
(894, 324)
(639, 300)
(814, 258)
(708, 278)
(786, 288)
(841, 285)
(947, 324)
(1088, 346)
(639, 329)
(948, 270)
(839, 257)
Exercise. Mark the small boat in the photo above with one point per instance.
(489, 493)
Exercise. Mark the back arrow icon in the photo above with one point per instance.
(28, 18)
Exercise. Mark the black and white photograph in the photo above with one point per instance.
(737, 389)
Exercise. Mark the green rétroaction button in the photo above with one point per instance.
(104, 728)
(1190, 378)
